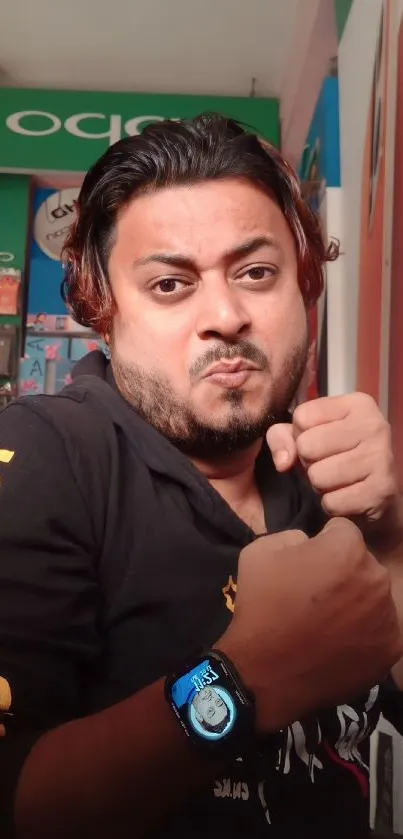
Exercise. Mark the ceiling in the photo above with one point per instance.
(167, 46)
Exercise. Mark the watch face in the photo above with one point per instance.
(206, 700)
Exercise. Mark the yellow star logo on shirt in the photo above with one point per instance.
(5, 702)
(229, 592)
(5, 457)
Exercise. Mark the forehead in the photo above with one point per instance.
(205, 693)
(203, 219)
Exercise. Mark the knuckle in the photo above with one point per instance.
(374, 421)
(314, 472)
(364, 400)
(285, 539)
(329, 505)
(382, 425)
(345, 527)
(378, 427)
(386, 490)
(382, 580)
(346, 544)
(296, 537)
(299, 415)
(303, 445)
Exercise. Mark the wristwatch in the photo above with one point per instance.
(214, 708)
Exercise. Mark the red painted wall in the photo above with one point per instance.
(396, 320)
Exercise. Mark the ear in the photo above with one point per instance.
(199, 717)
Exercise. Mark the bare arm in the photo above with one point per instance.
(93, 777)
(130, 767)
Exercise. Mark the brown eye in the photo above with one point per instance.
(261, 275)
(168, 286)
(258, 273)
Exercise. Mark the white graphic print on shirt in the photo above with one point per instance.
(351, 727)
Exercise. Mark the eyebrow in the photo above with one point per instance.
(182, 261)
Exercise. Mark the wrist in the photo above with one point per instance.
(212, 704)
(269, 714)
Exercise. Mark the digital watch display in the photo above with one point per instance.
(210, 702)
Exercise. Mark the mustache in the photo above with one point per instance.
(227, 352)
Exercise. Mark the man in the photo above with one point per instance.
(211, 712)
(131, 574)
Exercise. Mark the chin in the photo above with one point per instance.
(235, 415)
(237, 399)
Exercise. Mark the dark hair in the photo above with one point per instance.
(209, 147)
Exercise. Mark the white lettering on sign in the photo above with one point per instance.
(53, 221)
(6, 256)
(133, 126)
(113, 130)
(111, 126)
(13, 122)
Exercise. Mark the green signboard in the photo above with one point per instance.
(14, 213)
(66, 131)
(343, 8)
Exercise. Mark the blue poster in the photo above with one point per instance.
(54, 342)
(54, 213)
(320, 165)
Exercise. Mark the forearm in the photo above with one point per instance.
(110, 774)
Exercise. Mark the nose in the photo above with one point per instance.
(221, 312)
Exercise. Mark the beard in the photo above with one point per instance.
(196, 435)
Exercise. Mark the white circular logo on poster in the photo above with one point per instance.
(53, 221)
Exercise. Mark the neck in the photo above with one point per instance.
(233, 476)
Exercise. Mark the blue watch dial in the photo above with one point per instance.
(205, 698)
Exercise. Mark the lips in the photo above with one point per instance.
(235, 366)
(230, 374)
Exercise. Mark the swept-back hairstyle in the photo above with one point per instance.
(173, 153)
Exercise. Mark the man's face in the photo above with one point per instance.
(209, 336)
(209, 705)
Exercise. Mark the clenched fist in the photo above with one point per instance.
(314, 622)
(344, 443)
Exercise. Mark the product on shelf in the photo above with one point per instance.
(10, 284)
(8, 351)
(8, 391)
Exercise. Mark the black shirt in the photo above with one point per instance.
(117, 561)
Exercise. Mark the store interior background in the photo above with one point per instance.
(323, 79)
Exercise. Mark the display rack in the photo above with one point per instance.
(11, 329)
